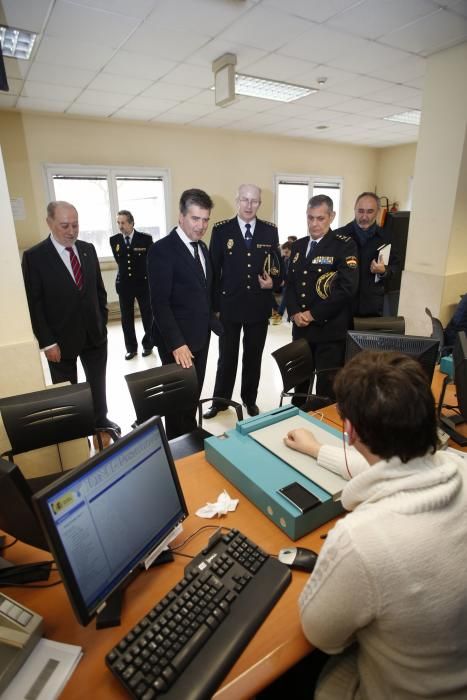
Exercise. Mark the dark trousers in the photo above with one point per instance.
(127, 298)
(254, 337)
(326, 358)
(185, 420)
(94, 361)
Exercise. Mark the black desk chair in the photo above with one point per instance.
(48, 417)
(437, 332)
(161, 391)
(296, 366)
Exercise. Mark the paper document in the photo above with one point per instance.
(272, 437)
(384, 252)
(45, 672)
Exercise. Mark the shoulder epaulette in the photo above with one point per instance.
(342, 237)
(219, 223)
(269, 223)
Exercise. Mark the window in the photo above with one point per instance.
(292, 195)
(98, 193)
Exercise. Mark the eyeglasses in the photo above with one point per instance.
(253, 202)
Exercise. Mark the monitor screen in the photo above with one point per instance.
(459, 355)
(103, 519)
(425, 350)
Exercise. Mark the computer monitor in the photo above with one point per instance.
(105, 518)
(459, 355)
(425, 350)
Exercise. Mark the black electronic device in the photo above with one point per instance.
(298, 558)
(187, 643)
(3, 77)
(18, 519)
(299, 496)
(106, 518)
(425, 350)
(459, 355)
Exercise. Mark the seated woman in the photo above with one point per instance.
(388, 594)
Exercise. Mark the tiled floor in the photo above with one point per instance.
(119, 401)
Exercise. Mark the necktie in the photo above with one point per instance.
(197, 258)
(127, 241)
(313, 245)
(248, 236)
(76, 267)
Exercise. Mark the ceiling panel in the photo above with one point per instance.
(151, 61)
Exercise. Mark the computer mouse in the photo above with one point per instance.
(298, 558)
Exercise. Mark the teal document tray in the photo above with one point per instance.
(258, 473)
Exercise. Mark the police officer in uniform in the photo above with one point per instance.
(130, 250)
(321, 283)
(246, 265)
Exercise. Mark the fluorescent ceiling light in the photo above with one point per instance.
(16, 43)
(270, 89)
(412, 117)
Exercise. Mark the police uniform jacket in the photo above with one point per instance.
(324, 285)
(237, 293)
(370, 296)
(181, 297)
(131, 260)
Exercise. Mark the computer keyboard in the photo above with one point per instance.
(185, 646)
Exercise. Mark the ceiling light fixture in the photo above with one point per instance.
(228, 83)
(251, 86)
(412, 117)
(16, 43)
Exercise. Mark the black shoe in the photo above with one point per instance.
(252, 409)
(213, 411)
(131, 355)
(146, 352)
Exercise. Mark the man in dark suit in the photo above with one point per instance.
(244, 253)
(370, 240)
(180, 280)
(68, 305)
(130, 250)
(321, 283)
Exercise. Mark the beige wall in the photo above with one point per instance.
(212, 159)
(395, 167)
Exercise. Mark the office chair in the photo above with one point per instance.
(161, 391)
(296, 366)
(380, 324)
(437, 332)
(49, 416)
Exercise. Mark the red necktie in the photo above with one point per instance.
(76, 267)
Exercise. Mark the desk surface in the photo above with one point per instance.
(277, 645)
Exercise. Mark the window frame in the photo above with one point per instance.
(306, 179)
(110, 173)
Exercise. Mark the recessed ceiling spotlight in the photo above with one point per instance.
(322, 126)
(321, 81)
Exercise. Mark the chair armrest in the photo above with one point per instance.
(218, 400)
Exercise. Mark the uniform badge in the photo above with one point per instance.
(117, 247)
(324, 284)
(230, 243)
(296, 256)
(351, 261)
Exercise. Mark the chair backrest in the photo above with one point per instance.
(295, 363)
(47, 417)
(381, 324)
(437, 331)
(162, 390)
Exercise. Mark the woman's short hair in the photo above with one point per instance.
(388, 399)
